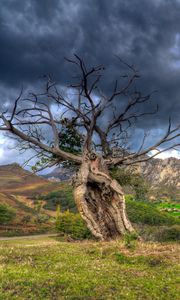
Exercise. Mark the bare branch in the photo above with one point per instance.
(85, 107)
(15, 105)
(66, 156)
(171, 134)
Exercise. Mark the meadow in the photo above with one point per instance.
(47, 268)
(171, 208)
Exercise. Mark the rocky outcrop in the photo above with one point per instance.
(161, 171)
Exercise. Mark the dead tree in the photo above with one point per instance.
(37, 122)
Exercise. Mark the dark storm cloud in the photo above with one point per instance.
(35, 35)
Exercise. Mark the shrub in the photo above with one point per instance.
(73, 225)
(26, 219)
(122, 259)
(150, 261)
(167, 234)
(41, 218)
(131, 178)
(7, 214)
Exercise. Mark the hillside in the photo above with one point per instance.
(16, 180)
(19, 189)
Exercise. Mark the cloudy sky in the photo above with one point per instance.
(35, 36)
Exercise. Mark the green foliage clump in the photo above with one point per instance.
(73, 225)
(168, 234)
(122, 259)
(7, 214)
(146, 213)
(135, 180)
(129, 197)
(70, 139)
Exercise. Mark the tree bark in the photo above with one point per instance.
(100, 200)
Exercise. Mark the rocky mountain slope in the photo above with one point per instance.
(59, 174)
(162, 171)
(163, 176)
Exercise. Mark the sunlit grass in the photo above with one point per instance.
(46, 268)
(171, 208)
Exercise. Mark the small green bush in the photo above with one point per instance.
(130, 240)
(41, 218)
(168, 234)
(150, 261)
(72, 224)
(7, 214)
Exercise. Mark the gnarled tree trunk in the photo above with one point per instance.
(100, 200)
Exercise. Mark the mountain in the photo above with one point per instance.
(156, 172)
(161, 171)
(60, 174)
(163, 176)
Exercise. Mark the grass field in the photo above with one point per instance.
(45, 268)
(171, 208)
